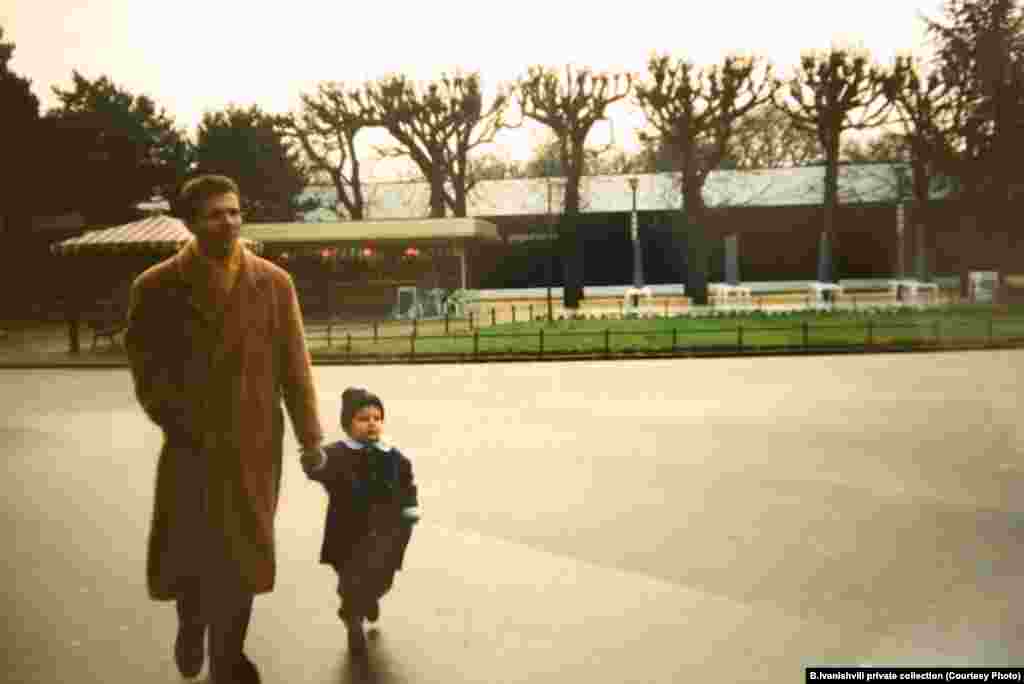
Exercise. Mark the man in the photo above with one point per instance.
(216, 341)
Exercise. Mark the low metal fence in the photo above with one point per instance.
(463, 338)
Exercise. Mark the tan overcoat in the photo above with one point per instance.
(213, 378)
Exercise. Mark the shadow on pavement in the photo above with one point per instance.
(377, 667)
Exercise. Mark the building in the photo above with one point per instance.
(358, 269)
(767, 222)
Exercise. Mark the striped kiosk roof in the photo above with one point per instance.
(152, 235)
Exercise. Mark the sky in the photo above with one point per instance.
(192, 56)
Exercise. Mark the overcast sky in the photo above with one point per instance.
(191, 56)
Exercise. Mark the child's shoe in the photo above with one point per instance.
(356, 637)
(189, 649)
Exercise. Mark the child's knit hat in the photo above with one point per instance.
(355, 398)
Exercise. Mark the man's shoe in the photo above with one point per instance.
(245, 672)
(188, 650)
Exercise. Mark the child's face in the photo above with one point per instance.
(367, 424)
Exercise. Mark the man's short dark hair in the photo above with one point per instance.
(196, 191)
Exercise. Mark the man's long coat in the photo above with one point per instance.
(213, 380)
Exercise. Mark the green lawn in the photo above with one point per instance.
(749, 331)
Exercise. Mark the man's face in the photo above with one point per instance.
(217, 224)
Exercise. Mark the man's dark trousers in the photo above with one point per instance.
(226, 621)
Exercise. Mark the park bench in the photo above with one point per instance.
(724, 294)
(824, 294)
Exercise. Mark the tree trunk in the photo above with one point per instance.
(459, 172)
(358, 208)
(353, 205)
(826, 266)
(698, 250)
(460, 209)
(572, 292)
(437, 194)
(921, 214)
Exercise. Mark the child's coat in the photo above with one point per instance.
(368, 487)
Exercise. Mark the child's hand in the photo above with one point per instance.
(313, 459)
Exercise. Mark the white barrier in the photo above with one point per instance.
(732, 296)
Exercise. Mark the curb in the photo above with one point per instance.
(534, 357)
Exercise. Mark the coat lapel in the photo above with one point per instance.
(242, 316)
(185, 267)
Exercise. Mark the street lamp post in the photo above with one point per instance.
(634, 234)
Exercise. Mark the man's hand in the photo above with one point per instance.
(313, 458)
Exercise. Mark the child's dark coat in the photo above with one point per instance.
(358, 483)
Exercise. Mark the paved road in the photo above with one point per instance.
(713, 520)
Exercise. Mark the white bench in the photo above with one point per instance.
(729, 295)
(824, 294)
(916, 291)
(632, 297)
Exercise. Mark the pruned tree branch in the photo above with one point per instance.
(832, 92)
(694, 112)
(326, 128)
(437, 126)
(570, 107)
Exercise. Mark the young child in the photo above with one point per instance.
(371, 511)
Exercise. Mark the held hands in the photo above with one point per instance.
(313, 459)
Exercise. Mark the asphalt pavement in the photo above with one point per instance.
(711, 520)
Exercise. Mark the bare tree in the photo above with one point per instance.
(570, 107)
(832, 92)
(655, 156)
(766, 138)
(694, 112)
(889, 147)
(490, 166)
(326, 128)
(545, 160)
(472, 127)
(437, 126)
(928, 108)
(609, 160)
(617, 162)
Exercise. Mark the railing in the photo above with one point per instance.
(462, 339)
